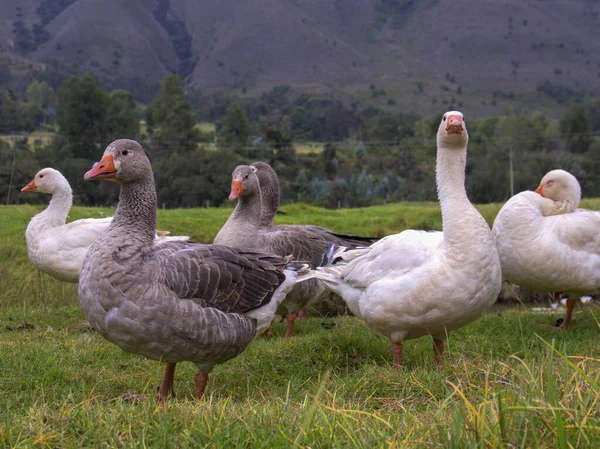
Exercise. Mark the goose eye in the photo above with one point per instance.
(444, 118)
(41, 176)
(124, 152)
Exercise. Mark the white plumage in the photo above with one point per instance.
(546, 243)
(55, 246)
(420, 283)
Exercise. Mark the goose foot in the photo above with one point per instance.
(570, 306)
(166, 391)
(303, 314)
(438, 350)
(200, 380)
(397, 349)
(290, 325)
(267, 334)
(133, 397)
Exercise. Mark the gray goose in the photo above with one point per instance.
(251, 226)
(178, 301)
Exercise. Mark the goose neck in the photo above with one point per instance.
(136, 212)
(270, 204)
(248, 209)
(60, 205)
(455, 205)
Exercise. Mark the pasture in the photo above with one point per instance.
(507, 381)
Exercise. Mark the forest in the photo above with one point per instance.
(365, 155)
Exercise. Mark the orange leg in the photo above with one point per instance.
(438, 350)
(200, 380)
(570, 305)
(166, 387)
(290, 325)
(397, 349)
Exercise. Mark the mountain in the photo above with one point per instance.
(395, 53)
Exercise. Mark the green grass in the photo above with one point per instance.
(506, 381)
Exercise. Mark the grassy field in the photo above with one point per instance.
(507, 380)
(45, 137)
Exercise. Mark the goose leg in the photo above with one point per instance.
(166, 390)
(397, 349)
(200, 380)
(290, 325)
(438, 350)
(303, 314)
(570, 306)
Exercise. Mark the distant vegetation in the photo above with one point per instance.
(366, 155)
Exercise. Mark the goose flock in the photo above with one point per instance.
(173, 300)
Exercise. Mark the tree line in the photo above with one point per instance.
(372, 156)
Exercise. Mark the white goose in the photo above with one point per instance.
(419, 283)
(55, 246)
(546, 243)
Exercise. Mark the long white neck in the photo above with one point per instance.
(53, 216)
(459, 217)
(57, 211)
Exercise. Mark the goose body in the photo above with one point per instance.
(419, 283)
(251, 226)
(546, 243)
(55, 246)
(177, 301)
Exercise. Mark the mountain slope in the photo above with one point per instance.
(424, 53)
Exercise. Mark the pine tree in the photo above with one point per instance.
(236, 130)
(122, 120)
(170, 119)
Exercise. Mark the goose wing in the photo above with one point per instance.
(221, 277)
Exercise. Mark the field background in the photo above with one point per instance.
(508, 380)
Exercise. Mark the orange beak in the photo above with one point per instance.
(539, 190)
(105, 169)
(31, 187)
(236, 189)
(454, 124)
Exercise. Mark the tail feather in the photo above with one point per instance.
(163, 236)
(264, 315)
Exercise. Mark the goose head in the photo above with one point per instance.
(124, 161)
(452, 132)
(47, 180)
(266, 175)
(562, 186)
(244, 182)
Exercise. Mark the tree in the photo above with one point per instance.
(9, 117)
(330, 161)
(170, 119)
(40, 101)
(40, 94)
(17, 167)
(81, 115)
(236, 130)
(122, 121)
(575, 129)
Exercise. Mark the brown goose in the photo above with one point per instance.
(178, 301)
(251, 226)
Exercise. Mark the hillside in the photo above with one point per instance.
(421, 53)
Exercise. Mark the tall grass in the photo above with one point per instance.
(507, 380)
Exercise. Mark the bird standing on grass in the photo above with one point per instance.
(178, 301)
(251, 226)
(547, 244)
(419, 283)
